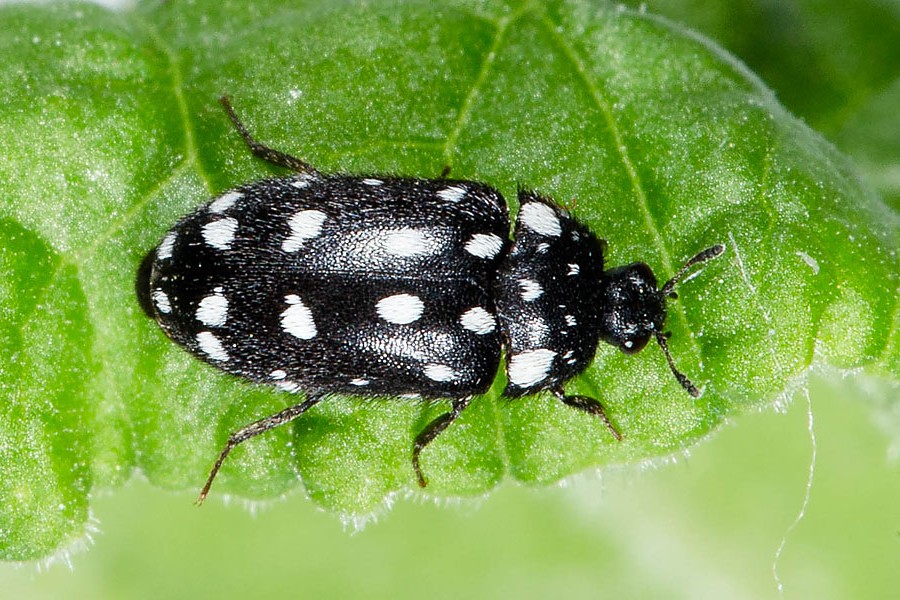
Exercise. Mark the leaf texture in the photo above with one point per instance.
(659, 140)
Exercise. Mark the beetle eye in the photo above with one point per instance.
(635, 344)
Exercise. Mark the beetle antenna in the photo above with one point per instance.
(698, 258)
(681, 377)
(666, 290)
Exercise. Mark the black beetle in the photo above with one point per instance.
(388, 286)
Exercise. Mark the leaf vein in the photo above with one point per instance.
(487, 64)
(603, 105)
(80, 255)
(177, 78)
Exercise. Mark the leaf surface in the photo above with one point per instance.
(663, 143)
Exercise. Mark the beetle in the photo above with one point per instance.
(391, 286)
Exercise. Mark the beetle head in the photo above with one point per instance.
(633, 310)
(632, 307)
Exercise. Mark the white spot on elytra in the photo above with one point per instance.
(571, 321)
(278, 374)
(438, 372)
(484, 245)
(373, 182)
(401, 309)
(220, 233)
(530, 367)
(224, 202)
(479, 321)
(211, 346)
(305, 225)
(166, 246)
(301, 181)
(213, 309)
(540, 218)
(574, 269)
(297, 319)
(161, 301)
(453, 193)
(409, 242)
(359, 381)
(288, 386)
(531, 289)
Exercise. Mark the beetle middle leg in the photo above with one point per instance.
(434, 429)
(590, 406)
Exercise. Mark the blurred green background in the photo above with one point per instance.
(704, 526)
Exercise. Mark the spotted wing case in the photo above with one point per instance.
(331, 283)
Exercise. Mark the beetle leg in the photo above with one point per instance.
(590, 406)
(434, 429)
(254, 429)
(261, 150)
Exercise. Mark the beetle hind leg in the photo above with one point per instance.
(590, 406)
(432, 430)
(263, 425)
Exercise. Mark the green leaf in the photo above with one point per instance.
(664, 144)
(838, 69)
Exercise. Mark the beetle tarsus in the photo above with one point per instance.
(431, 431)
(252, 430)
(590, 406)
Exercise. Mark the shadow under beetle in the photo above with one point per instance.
(387, 286)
